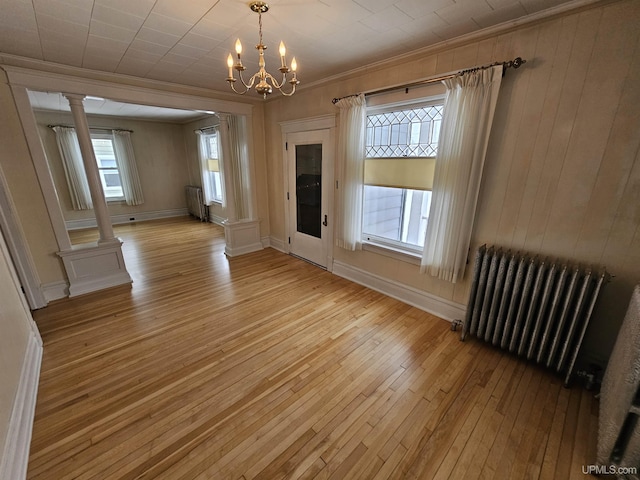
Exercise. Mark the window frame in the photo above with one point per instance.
(101, 170)
(393, 248)
(218, 193)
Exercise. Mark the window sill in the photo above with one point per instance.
(396, 254)
(115, 201)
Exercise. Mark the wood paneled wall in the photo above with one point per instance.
(562, 176)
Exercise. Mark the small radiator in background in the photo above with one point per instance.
(533, 307)
(195, 202)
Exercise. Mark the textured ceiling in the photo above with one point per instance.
(48, 101)
(187, 41)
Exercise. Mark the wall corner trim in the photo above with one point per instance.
(15, 457)
(440, 307)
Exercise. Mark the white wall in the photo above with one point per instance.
(562, 175)
(17, 330)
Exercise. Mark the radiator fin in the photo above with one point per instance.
(534, 307)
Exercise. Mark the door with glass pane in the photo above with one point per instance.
(308, 159)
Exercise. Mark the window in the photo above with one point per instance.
(107, 166)
(401, 145)
(116, 164)
(211, 167)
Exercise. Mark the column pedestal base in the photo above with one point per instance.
(242, 236)
(91, 267)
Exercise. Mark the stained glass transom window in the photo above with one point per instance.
(410, 132)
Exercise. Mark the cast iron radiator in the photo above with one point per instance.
(195, 202)
(534, 307)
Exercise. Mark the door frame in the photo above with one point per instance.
(19, 252)
(324, 122)
(313, 247)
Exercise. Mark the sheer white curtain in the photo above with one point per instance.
(238, 162)
(205, 176)
(69, 148)
(469, 106)
(351, 152)
(126, 161)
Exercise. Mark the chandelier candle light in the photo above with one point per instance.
(266, 82)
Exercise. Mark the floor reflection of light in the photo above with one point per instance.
(145, 263)
(132, 259)
(220, 261)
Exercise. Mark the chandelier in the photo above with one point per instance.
(266, 82)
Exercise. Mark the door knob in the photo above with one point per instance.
(325, 221)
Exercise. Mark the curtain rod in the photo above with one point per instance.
(212, 127)
(106, 129)
(515, 63)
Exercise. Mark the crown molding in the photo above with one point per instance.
(183, 98)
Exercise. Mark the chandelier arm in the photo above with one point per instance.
(274, 82)
(236, 91)
(251, 80)
(279, 86)
(293, 90)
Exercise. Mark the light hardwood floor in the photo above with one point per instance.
(266, 367)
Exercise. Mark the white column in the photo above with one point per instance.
(91, 267)
(91, 167)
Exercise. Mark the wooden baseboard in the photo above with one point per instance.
(15, 457)
(55, 291)
(440, 307)
(276, 244)
(216, 219)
